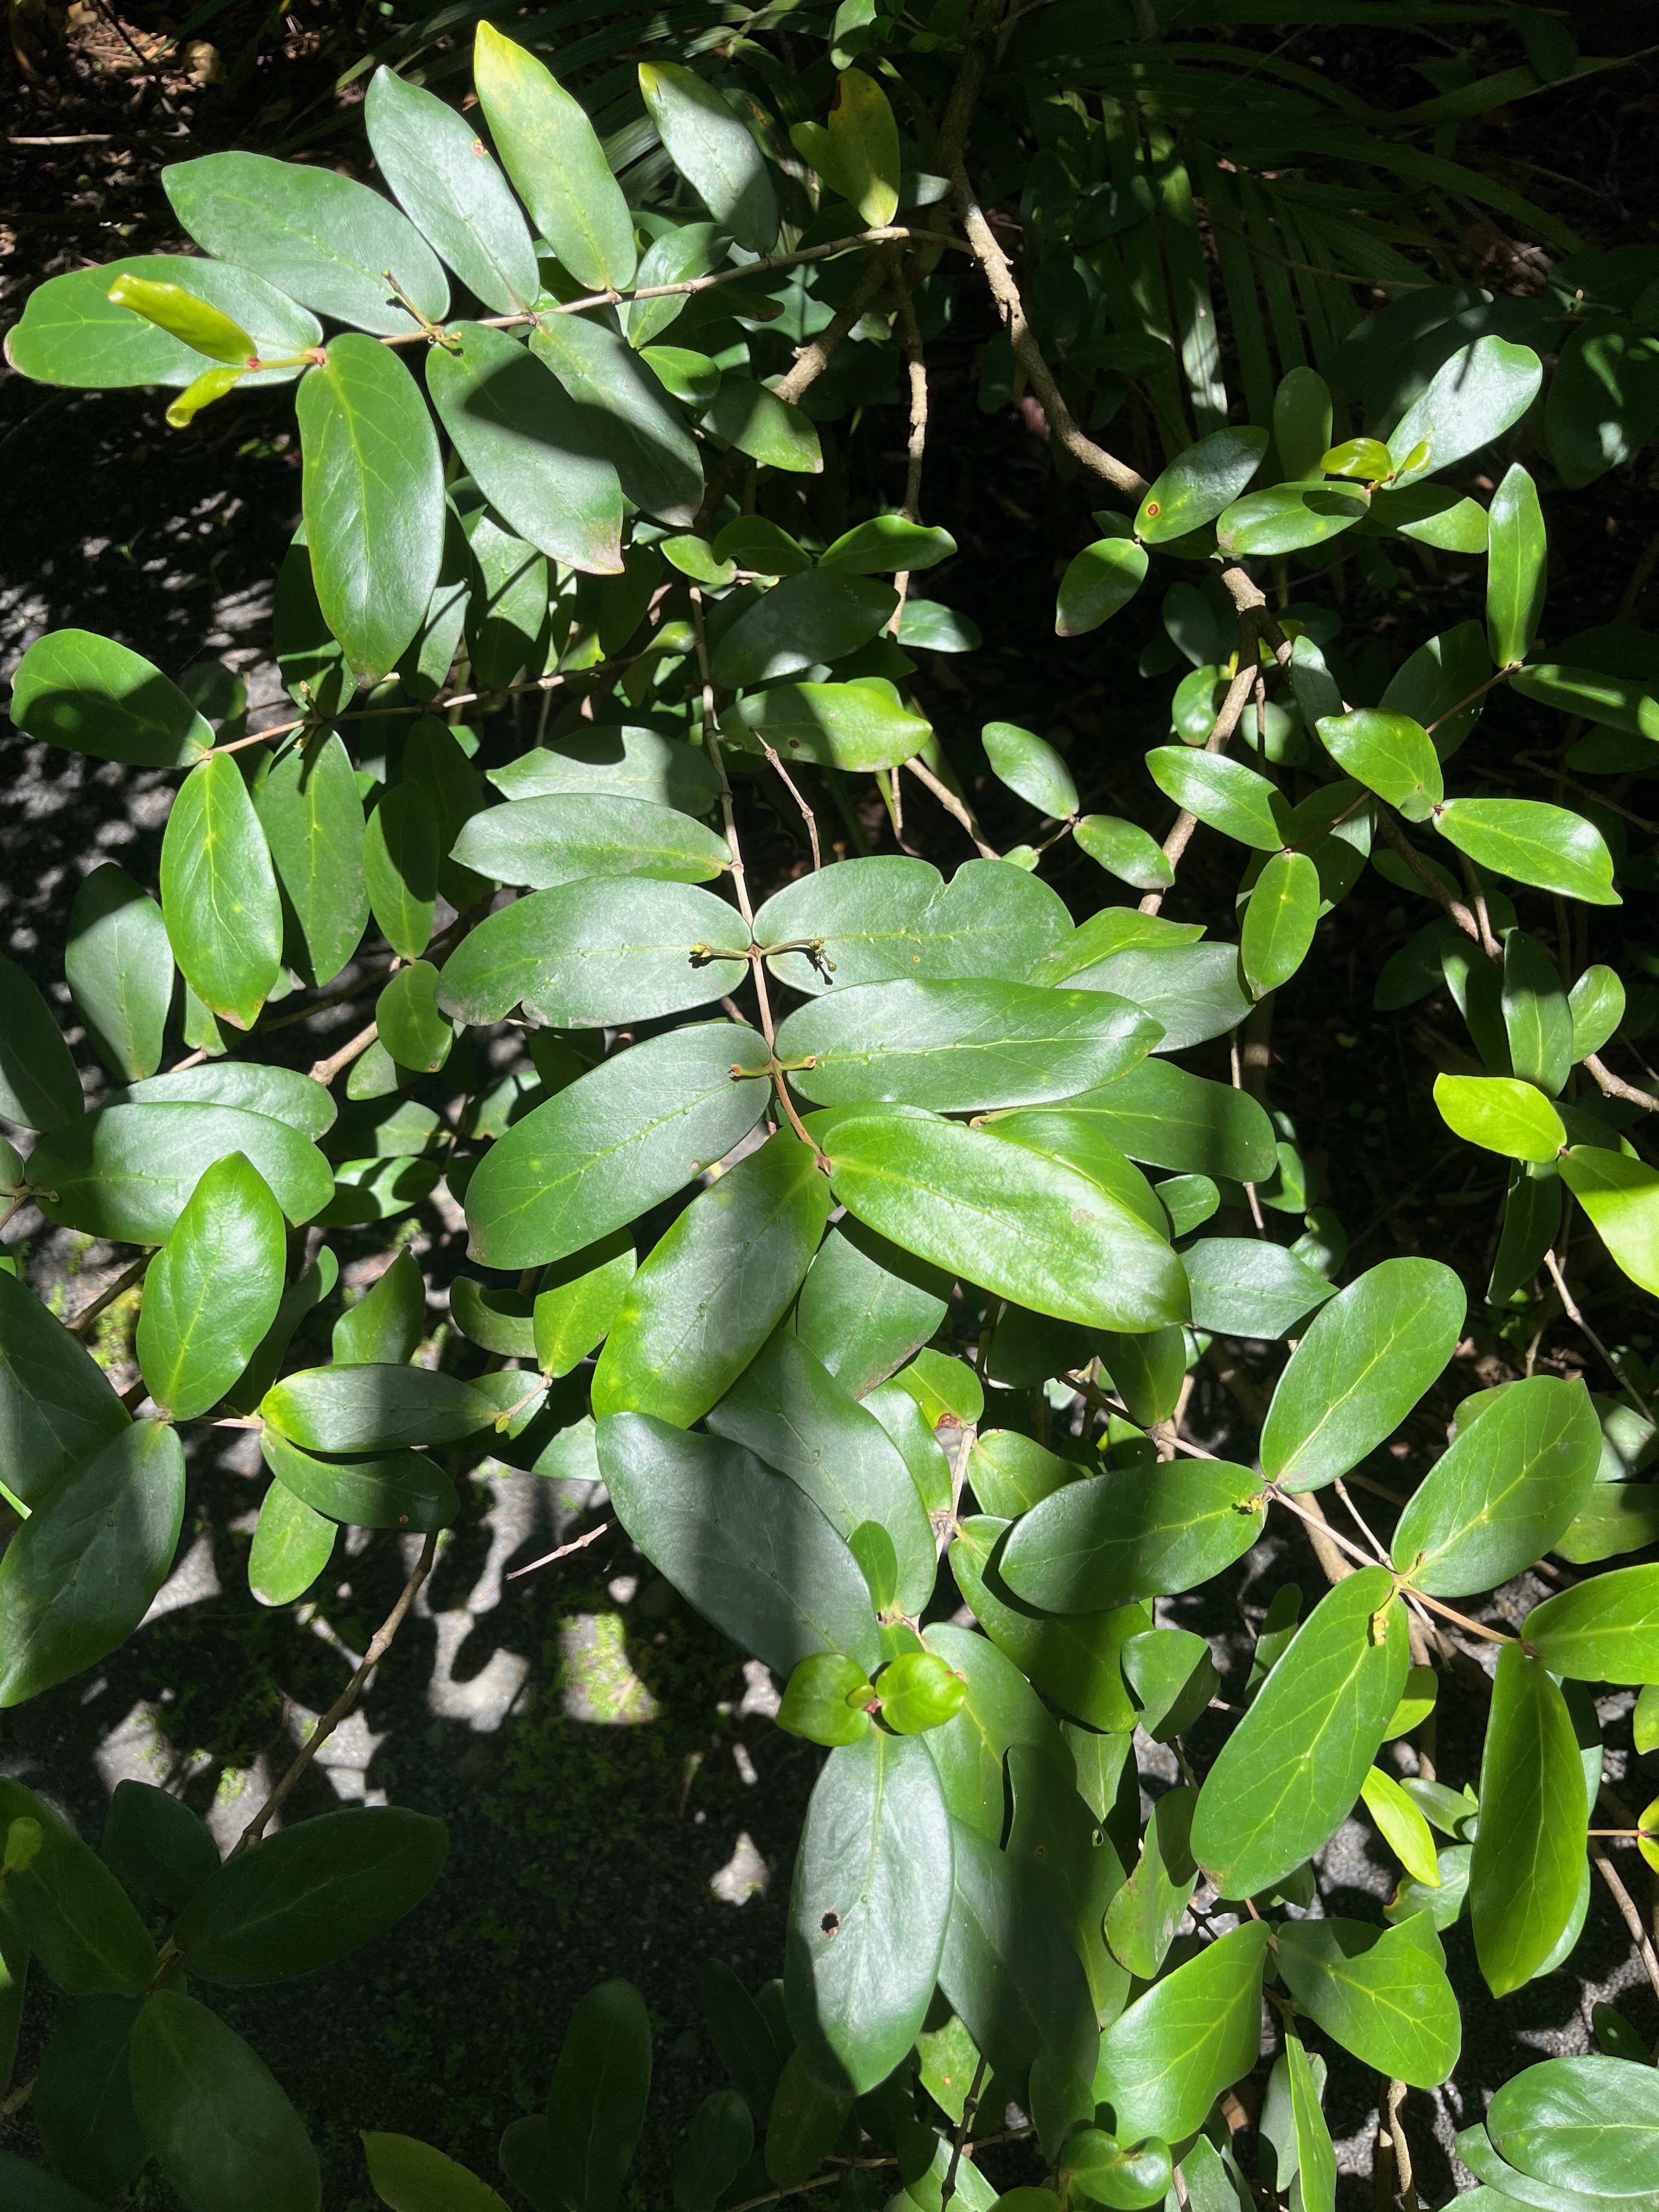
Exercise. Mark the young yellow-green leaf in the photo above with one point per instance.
(196, 323)
(411, 2176)
(127, 1171)
(1291, 1772)
(1517, 555)
(90, 694)
(1019, 1222)
(1224, 793)
(707, 1298)
(1501, 1114)
(714, 152)
(1133, 1533)
(320, 237)
(549, 148)
(119, 966)
(219, 897)
(1533, 843)
(373, 493)
(312, 816)
(1075, 1659)
(1164, 2061)
(212, 1288)
(1603, 1630)
(1198, 483)
(1362, 1364)
(1382, 1994)
(1621, 1197)
(867, 1911)
(292, 1544)
(1505, 1489)
(212, 384)
(1597, 1004)
(1403, 1827)
(453, 191)
(78, 1577)
(1528, 1860)
(865, 146)
(1279, 921)
(400, 867)
(1100, 578)
(1366, 459)
(39, 1088)
(825, 1700)
(1390, 755)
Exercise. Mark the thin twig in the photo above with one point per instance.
(324, 1071)
(1609, 1874)
(1615, 1086)
(952, 806)
(970, 2106)
(1577, 1318)
(123, 1282)
(1394, 836)
(563, 1553)
(1232, 710)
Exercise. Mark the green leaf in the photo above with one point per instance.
(1000, 1709)
(1171, 1118)
(396, 1490)
(1200, 483)
(1501, 1114)
(1125, 850)
(709, 1295)
(579, 1299)
(1365, 1361)
(1472, 399)
(1008, 1967)
(410, 2175)
(1314, 2187)
(79, 1575)
(316, 235)
(1584, 2124)
(788, 1410)
(1142, 1917)
(310, 1894)
(1621, 1197)
(1291, 1772)
(1537, 1015)
(1597, 1003)
(1172, 1674)
(1163, 2061)
(598, 951)
(616, 1142)
(74, 1916)
(1515, 566)
(939, 628)
(876, 921)
(1010, 1473)
(1021, 1224)
(542, 842)
(1382, 1994)
(499, 1320)
(745, 1546)
(867, 1913)
(1100, 580)
(82, 2103)
(549, 148)
(127, 1172)
(853, 726)
(57, 1409)
(40, 1087)
(119, 966)
(884, 545)
(384, 1327)
(90, 694)
(278, 1094)
(411, 1027)
(1075, 1659)
(714, 152)
(1191, 990)
(802, 2121)
(219, 894)
(213, 1290)
(373, 493)
(825, 1700)
(918, 1691)
(1533, 843)
(864, 145)
(952, 1045)
(72, 332)
(1603, 402)
(1390, 755)
(817, 617)
(1367, 458)
(373, 1407)
(1120, 1536)
(453, 190)
(400, 867)
(1243, 1287)
(1224, 793)
(1055, 1833)
(1287, 517)
(1437, 683)
(622, 413)
(1605, 1630)
(613, 764)
(720, 2144)
(1279, 921)
(865, 1307)
(1031, 768)
(292, 1545)
(1509, 1485)
(1401, 1825)
(769, 429)
(1529, 1857)
(218, 2125)
(312, 819)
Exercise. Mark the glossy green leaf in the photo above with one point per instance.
(619, 1140)
(292, 1545)
(1075, 1659)
(1142, 1919)
(1621, 1197)
(541, 842)
(788, 1410)
(1514, 568)
(1537, 1015)
(76, 1918)
(1528, 1858)
(1366, 1359)
(623, 412)
(82, 2100)
(310, 1893)
(219, 894)
(719, 2145)
(119, 966)
(752, 418)
(549, 148)
(1287, 517)
(1280, 922)
(853, 727)
(1501, 1114)
(709, 1295)
(499, 1320)
(1056, 1835)
(1010, 1473)
(218, 2125)
(826, 1700)
(1000, 1709)
(452, 190)
(1472, 399)
(373, 1407)
(72, 332)
(1100, 580)
(817, 617)
(1171, 1118)
(1604, 1629)
(385, 1325)
(1125, 850)
(745, 1545)
(39, 1088)
(57, 1407)
(90, 694)
(79, 1575)
(1133, 1533)
(578, 1300)
(620, 763)
(1193, 991)
(714, 152)
(400, 867)
(1533, 843)
(1224, 793)
(1383, 1995)
(412, 2177)
(1291, 1772)
(1585, 2124)
(212, 1288)
(870, 1898)
(1164, 2061)
(313, 233)
(1603, 402)
(1390, 755)
(865, 1307)
(1023, 1225)
(392, 1490)
(1314, 2187)
(876, 921)
(598, 951)
(411, 1027)
(884, 545)
(1243, 1287)
(312, 819)
(1597, 1003)
(127, 1172)
(802, 2121)
(1200, 483)
(278, 1094)
(1172, 1674)
(1505, 1490)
